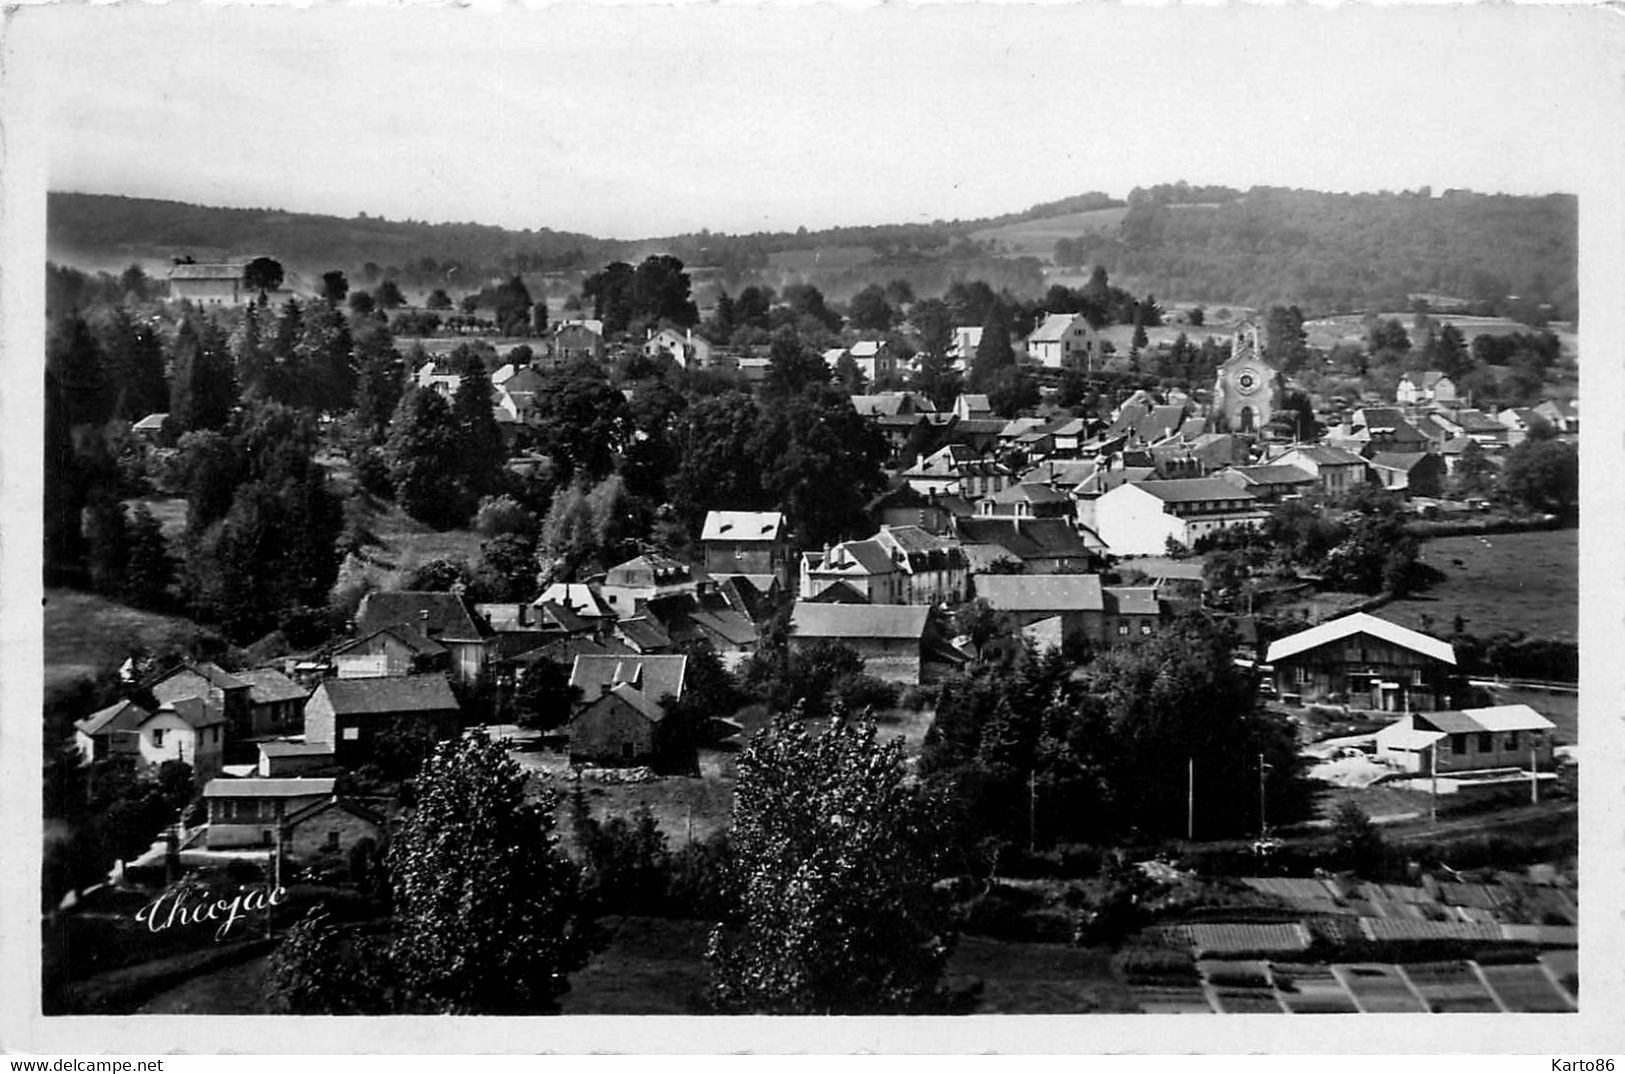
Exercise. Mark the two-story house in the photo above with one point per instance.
(445, 618)
(1339, 472)
(1140, 518)
(1064, 341)
(748, 543)
(183, 730)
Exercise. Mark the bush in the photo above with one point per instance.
(503, 514)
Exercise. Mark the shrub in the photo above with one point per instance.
(503, 514)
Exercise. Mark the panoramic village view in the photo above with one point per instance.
(1155, 603)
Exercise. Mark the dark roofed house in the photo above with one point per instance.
(621, 715)
(445, 618)
(1414, 474)
(1270, 483)
(110, 732)
(330, 828)
(1027, 501)
(1028, 598)
(225, 695)
(1133, 613)
(1041, 545)
(249, 812)
(280, 757)
(349, 714)
(752, 543)
(895, 640)
(276, 704)
(399, 649)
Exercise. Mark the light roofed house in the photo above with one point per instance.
(1077, 599)
(646, 578)
(398, 649)
(1418, 474)
(1141, 517)
(1448, 742)
(865, 566)
(752, 543)
(1270, 483)
(217, 284)
(1064, 341)
(1369, 662)
(958, 470)
(1028, 500)
(184, 730)
(1423, 388)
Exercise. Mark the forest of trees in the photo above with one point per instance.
(1324, 252)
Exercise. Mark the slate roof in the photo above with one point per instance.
(296, 749)
(291, 787)
(652, 570)
(565, 650)
(212, 672)
(405, 633)
(267, 686)
(643, 633)
(1360, 623)
(1274, 475)
(207, 272)
(449, 617)
(316, 809)
(192, 710)
(1395, 460)
(1194, 490)
(743, 526)
(838, 592)
(1042, 592)
(1067, 472)
(868, 557)
(1133, 600)
(1052, 328)
(384, 696)
(576, 596)
(974, 402)
(1329, 456)
(1030, 493)
(858, 620)
(654, 676)
(121, 716)
(1024, 538)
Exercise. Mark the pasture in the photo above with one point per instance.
(1504, 581)
(86, 633)
(1037, 237)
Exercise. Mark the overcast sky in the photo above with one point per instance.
(637, 121)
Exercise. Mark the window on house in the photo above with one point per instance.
(1486, 742)
(1458, 745)
(1145, 628)
(158, 736)
(352, 734)
(1122, 629)
(1301, 674)
(333, 839)
(1511, 741)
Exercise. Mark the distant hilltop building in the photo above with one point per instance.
(1247, 392)
(216, 284)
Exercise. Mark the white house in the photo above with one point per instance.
(1503, 736)
(875, 358)
(1140, 517)
(184, 730)
(1430, 386)
(687, 349)
(1063, 340)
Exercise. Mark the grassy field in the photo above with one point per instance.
(1505, 581)
(405, 543)
(1037, 237)
(85, 633)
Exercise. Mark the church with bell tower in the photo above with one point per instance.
(1247, 391)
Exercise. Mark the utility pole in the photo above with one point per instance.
(1433, 788)
(1032, 812)
(1263, 821)
(1534, 783)
(1190, 799)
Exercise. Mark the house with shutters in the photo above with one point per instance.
(349, 715)
(752, 543)
(1450, 742)
(1367, 662)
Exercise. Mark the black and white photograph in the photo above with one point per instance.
(910, 515)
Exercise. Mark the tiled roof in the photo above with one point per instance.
(409, 693)
(1042, 592)
(858, 620)
(1360, 623)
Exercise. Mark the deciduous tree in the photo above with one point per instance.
(836, 862)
